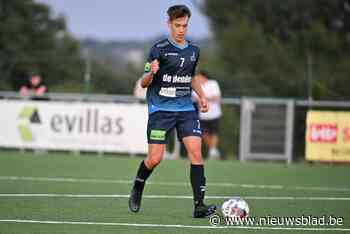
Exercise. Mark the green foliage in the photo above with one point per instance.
(105, 79)
(33, 40)
(113, 71)
(263, 47)
(229, 132)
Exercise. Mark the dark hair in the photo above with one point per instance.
(178, 11)
(34, 73)
(203, 73)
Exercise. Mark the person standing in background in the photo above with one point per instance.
(210, 120)
(35, 88)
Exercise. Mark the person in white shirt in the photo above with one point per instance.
(210, 120)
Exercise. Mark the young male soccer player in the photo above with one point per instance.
(168, 76)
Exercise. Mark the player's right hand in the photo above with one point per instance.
(154, 66)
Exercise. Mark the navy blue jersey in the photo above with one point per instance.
(171, 89)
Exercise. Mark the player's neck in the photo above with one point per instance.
(180, 44)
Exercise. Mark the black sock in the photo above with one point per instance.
(142, 174)
(198, 183)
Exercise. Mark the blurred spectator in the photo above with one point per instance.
(140, 92)
(35, 88)
(210, 120)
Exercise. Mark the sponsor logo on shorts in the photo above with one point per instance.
(158, 135)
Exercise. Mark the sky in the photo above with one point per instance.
(123, 19)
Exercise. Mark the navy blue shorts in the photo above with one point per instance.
(161, 123)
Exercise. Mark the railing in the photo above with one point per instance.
(129, 98)
(229, 135)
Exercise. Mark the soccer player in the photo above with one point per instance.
(168, 76)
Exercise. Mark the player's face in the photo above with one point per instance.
(178, 28)
(35, 80)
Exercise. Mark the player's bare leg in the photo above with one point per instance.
(213, 140)
(193, 146)
(154, 157)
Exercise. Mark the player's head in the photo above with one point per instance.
(35, 79)
(179, 16)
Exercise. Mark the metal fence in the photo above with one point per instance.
(266, 129)
(251, 128)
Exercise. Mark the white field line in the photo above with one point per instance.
(57, 195)
(218, 184)
(151, 225)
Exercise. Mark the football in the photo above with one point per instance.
(235, 208)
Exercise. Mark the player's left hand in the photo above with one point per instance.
(203, 105)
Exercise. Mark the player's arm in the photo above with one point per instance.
(24, 91)
(151, 67)
(202, 99)
(148, 76)
(41, 90)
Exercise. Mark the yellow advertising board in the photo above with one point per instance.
(328, 136)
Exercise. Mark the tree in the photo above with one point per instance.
(32, 39)
(264, 45)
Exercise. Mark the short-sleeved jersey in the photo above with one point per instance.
(171, 88)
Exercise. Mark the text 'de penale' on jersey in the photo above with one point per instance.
(177, 79)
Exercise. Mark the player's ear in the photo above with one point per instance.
(169, 23)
